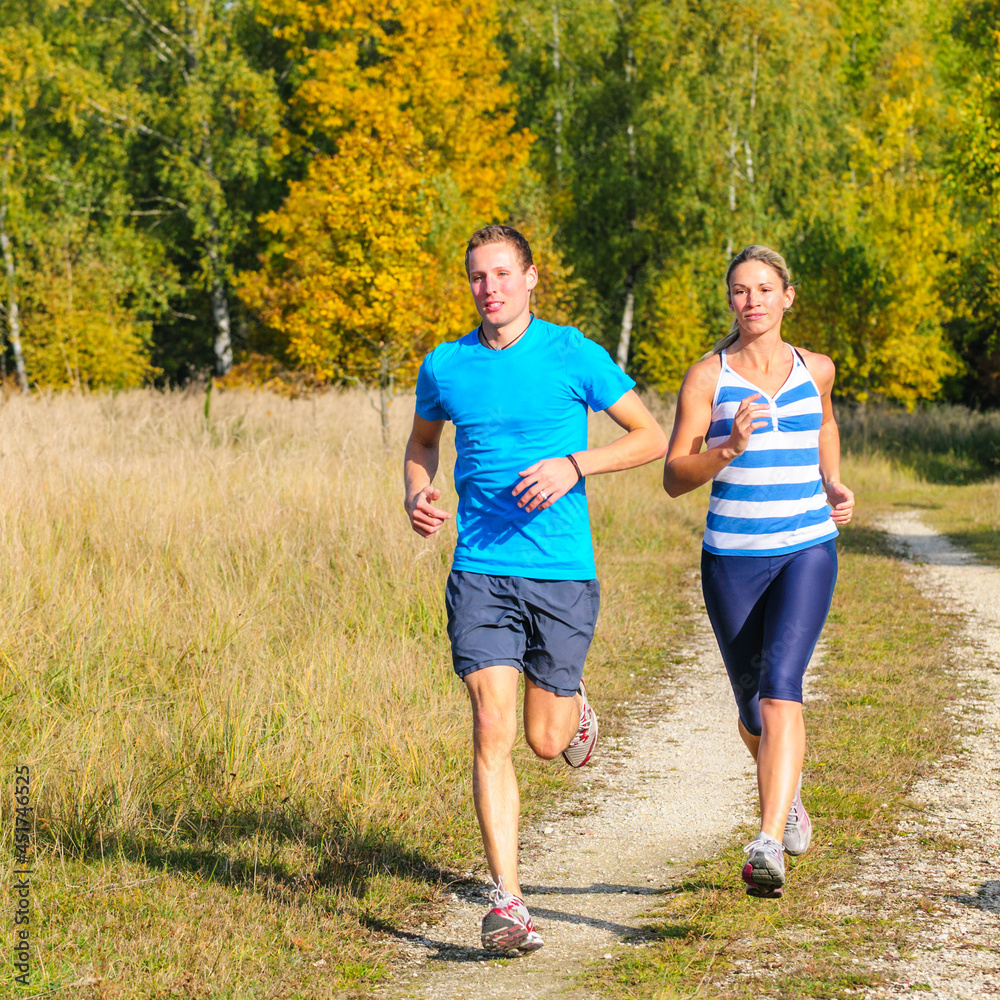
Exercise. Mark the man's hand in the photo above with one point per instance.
(425, 518)
(545, 482)
(841, 499)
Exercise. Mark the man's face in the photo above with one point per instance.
(501, 289)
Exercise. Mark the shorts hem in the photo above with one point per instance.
(782, 696)
(501, 661)
(545, 686)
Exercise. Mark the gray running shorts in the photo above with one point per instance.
(542, 627)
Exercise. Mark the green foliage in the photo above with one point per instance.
(151, 152)
(84, 282)
(974, 178)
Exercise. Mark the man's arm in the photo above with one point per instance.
(643, 441)
(419, 466)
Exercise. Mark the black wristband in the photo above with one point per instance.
(576, 465)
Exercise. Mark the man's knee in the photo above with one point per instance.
(545, 744)
(494, 729)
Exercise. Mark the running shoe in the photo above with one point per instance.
(582, 747)
(798, 826)
(508, 926)
(764, 871)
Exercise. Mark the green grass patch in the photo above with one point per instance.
(877, 726)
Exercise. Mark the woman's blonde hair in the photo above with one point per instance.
(765, 255)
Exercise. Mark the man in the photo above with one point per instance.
(521, 595)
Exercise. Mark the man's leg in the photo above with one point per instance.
(550, 720)
(493, 692)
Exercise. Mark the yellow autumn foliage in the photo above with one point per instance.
(364, 273)
(877, 307)
(78, 332)
(678, 335)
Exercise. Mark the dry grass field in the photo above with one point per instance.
(223, 658)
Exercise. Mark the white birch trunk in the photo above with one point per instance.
(13, 311)
(626, 332)
(223, 326)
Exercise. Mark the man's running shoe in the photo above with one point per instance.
(798, 826)
(508, 926)
(764, 871)
(580, 750)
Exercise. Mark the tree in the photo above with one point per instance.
(203, 118)
(411, 149)
(82, 284)
(25, 64)
(974, 180)
(873, 269)
(671, 134)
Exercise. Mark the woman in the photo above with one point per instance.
(769, 564)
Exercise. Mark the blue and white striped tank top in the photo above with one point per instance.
(769, 500)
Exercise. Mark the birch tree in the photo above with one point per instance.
(204, 129)
(25, 64)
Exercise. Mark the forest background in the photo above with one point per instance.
(278, 191)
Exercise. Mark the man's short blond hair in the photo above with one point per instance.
(500, 234)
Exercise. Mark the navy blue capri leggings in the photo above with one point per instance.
(767, 613)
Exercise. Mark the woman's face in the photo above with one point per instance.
(757, 297)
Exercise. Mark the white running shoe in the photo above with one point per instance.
(764, 871)
(581, 748)
(798, 826)
(508, 925)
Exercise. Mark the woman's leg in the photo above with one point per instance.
(798, 601)
(782, 748)
(734, 588)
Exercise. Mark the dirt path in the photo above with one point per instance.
(673, 791)
(944, 867)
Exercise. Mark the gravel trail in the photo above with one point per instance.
(943, 869)
(671, 792)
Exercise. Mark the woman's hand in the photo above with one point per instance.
(749, 417)
(841, 499)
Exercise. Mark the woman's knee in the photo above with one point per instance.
(779, 713)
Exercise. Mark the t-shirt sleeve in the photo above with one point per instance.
(603, 383)
(429, 405)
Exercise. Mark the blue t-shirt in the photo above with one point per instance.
(512, 408)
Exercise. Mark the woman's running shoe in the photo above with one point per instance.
(508, 926)
(582, 747)
(764, 871)
(798, 826)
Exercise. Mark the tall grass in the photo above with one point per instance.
(941, 443)
(203, 621)
(223, 653)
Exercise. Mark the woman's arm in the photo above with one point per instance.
(687, 467)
